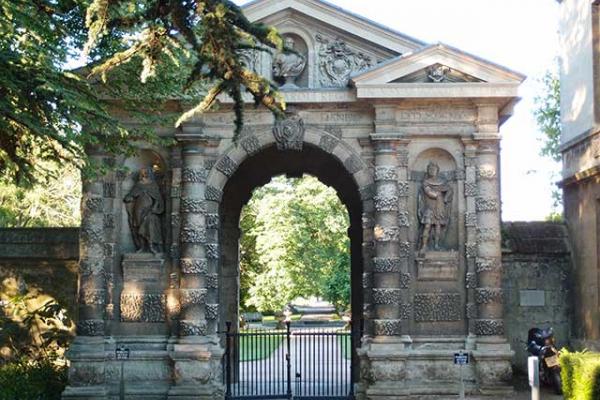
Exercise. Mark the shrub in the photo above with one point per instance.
(580, 373)
(40, 380)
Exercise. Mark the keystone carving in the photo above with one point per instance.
(328, 143)
(289, 132)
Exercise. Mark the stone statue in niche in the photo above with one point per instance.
(288, 66)
(144, 207)
(434, 203)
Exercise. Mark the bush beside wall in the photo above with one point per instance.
(580, 374)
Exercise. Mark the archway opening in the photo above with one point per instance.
(257, 171)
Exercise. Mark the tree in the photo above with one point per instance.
(56, 202)
(50, 113)
(547, 115)
(294, 244)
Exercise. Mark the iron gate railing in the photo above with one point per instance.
(299, 364)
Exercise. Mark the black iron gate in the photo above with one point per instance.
(299, 364)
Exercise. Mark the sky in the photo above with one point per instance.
(518, 34)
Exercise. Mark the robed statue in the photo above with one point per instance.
(144, 208)
(288, 65)
(434, 203)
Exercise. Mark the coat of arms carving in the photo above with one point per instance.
(289, 132)
(337, 61)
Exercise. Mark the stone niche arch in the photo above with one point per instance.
(253, 163)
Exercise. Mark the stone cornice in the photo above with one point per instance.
(580, 176)
(501, 91)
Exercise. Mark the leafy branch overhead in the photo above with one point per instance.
(183, 49)
(213, 34)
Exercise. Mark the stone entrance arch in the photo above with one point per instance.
(407, 133)
(256, 167)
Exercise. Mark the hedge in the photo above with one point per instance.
(580, 373)
(40, 380)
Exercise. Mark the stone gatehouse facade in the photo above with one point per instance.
(407, 133)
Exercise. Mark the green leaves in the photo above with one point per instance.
(147, 53)
(294, 244)
(547, 115)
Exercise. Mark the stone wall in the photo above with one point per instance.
(40, 261)
(536, 281)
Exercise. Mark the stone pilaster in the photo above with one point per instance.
(493, 354)
(470, 191)
(86, 354)
(488, 295)
(197, 353)
(390, 250)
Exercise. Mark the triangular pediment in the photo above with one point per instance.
(271, 11)
(436, 64)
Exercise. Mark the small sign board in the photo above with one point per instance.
(121, 353)
(461, 358)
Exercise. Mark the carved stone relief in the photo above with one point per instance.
(437, 307)
(337, 61)
(144, 307)
(289, 132)
(387, 327)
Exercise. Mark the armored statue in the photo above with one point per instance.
(288, 66)
(144, 208)
(434, 203)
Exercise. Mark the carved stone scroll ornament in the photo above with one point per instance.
(289, 132)
(288, 65)
(337, 61)
(145, 205)
(434, 208)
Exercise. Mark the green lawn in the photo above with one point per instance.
(346, 345)
(258, 347)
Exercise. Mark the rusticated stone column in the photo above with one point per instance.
(493, 354)
(390, 251)
(86, 354)
(470, 192)
(193, 262)
(488, 294)
(197, 353)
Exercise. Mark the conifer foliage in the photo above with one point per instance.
(185, 48)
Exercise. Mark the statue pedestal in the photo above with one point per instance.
(437, 266)
(143, 298)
